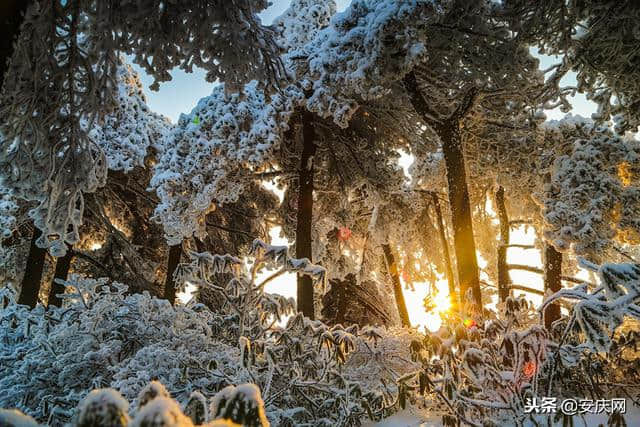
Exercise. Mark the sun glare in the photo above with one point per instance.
(414, 299)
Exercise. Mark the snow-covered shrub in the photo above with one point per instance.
(161, 412)
(15, 418)
(601, 311)
(483, 371)
(241, 404)
(196, 408)
(107, 408)
(151, 391)
(103, 407)
(104, 337)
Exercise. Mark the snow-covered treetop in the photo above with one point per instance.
(126, 134)
(301, 22)
(63, 76)
(121, 139)
(362, 52)
(600, 46)
(593, 197)
(226, 40)
(214, 152)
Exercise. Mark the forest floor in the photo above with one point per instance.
(409, 417)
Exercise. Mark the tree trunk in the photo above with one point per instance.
(32, 272)
(11, 18)
(63, 265)
(448, 129)
(175, 252)
(305, 214)
(392, 267)
(552, 281)
(463, 241)
(445, 253)
(504, 280)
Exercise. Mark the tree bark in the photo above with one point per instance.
(11, 18)
(504, 281)
(392, 267)
(63, 265)
(552, 281)
(32, 272)
(175, 252)
(464, 243)
(445, 253)
(305, 214)
(448, 129)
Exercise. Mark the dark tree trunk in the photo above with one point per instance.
(11, 18)
(448, 129)
(463, 241)
(200, 246)
(175, 252)
(445, 252)
(32, 272)
(552, 281)
(63, 265)
(392, 267)
(504, 281)
(305, 214)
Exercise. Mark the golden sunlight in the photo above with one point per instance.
(624, 173)
(414, 299)
(95, 246)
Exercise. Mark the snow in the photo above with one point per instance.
(409, 417)
(214, 161)
(106, 396)
(347, 68)
(151, 391)
(161, 412)
(15, 418)
(239, 403)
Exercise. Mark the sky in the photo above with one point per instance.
(182, 93)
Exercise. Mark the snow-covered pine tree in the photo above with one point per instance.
(596, 40)
(62, 79)
(126, 136)
(347, 65)
(241, 139)
(592, 200)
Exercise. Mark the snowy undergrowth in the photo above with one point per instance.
(308, 372)
(485, 370)
(477, 369)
